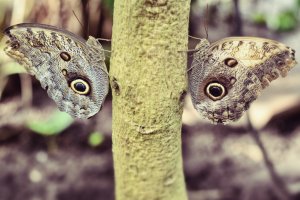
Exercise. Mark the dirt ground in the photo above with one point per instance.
(220, 162)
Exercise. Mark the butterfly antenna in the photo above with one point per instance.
(88, 9)
(206, 22)
(78, 19)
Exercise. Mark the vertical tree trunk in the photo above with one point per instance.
(148, 79)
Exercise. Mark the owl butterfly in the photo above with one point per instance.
(71, 69)
(226, 76)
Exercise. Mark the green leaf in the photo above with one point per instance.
(95, 139)
(54, 125)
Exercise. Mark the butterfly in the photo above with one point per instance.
(71, 69)
(228, 75)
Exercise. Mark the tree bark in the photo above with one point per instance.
(148, 80)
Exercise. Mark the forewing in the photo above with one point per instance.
(57, 58)
(242, 67)
(266, 58)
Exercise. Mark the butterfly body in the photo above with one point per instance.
(71, 69)
(228, 75)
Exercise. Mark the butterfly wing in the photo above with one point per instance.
(233, 73)
(263, 56)
(71, 69)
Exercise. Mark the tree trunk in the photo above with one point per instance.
(148, 80)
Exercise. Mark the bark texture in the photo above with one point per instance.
(148, 80)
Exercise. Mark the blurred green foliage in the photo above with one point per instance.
(55, 124)
(109, 4)
(285, 20)
(259, 18)
(95, 139)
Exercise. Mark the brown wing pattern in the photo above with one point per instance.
(231, 73)
(71, 69)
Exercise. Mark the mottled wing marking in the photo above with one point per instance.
(39, 47)
(259, 61)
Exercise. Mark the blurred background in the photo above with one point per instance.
(46, 155)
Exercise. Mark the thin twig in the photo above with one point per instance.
(238, 22)
(279, 184)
